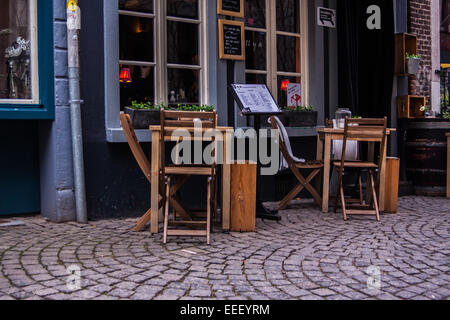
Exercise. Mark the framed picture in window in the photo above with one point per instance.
(233, 8)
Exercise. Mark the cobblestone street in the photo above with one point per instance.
(309, 255)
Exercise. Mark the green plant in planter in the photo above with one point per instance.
(413, 56)
(299, 108)
(195, 108)
(147, 106)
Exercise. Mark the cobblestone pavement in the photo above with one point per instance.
(309, 255)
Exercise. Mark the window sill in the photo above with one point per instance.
(115, 135)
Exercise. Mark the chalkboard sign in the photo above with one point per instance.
(255, 99)
(234, 8)
(231, 40)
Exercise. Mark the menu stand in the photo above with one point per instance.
(245, 96)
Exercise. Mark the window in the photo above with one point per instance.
(19, 78)
(274, 35)
(161, 53)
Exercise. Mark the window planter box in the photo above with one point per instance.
(143, 119)
(299, 119)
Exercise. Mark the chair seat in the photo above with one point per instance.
(191, 171)
(356, 164)
(313, 164)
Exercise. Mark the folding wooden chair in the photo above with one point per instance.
(296, 164)
(172, 121)
(145, 166)
(362, 130)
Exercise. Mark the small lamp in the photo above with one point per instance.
(125, 75)
(284, 85)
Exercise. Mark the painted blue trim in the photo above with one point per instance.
(46, 107)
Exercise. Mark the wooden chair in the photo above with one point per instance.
(362, 130)
(295, 165)
(171, 121)
(142, 161)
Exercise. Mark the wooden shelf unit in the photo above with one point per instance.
(409, 107)
(404, 43)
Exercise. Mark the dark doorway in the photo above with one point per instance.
(366, 58)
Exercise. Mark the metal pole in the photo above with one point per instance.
(73, 27)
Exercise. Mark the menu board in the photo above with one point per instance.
(234, 8)
(231, 40)
(255, 99)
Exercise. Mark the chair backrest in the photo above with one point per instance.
(135, 147)
(365, 130)
(285, 143)
(175, 120)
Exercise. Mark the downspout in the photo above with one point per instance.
(73, 28)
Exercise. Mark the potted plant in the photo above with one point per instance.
(412, 63)
(144, 114)
(302, 116)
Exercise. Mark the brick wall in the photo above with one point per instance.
(419, 23)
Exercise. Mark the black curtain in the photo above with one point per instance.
(366, 58)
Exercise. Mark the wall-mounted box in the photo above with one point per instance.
(409, 107)
(404, 43)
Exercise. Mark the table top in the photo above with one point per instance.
(341, 131)
(158, 128)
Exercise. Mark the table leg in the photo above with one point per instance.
(370, 157)
(226, 181)
(326, 174)
(154, 223)
(381, 188)
(319, 156)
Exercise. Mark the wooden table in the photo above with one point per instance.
(155, 197)
(324, 139)
(448, 164)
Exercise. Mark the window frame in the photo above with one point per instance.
(114, 132)
(272, 33)
(42, 106)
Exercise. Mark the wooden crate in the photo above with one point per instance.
(243, 197)
(404, 43)
(409, 107)
(391, 185)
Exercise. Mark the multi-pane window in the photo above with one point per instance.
(273, 44)
(160, 51)
(18, 52)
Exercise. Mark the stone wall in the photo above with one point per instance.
(57, 185)
(423, 15)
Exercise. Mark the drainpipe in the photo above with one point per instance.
(73, 28)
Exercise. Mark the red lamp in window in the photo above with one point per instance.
(284, 85)
(125, 75)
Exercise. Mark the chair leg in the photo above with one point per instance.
(361, 198)
(208, 214)
(166, 212)
(285, 202)
(336, 199)
(344, 209)
(374, 195)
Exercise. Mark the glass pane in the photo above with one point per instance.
(182, 8)
(145, 6)
(282, 90)
(255, 13)
(141, 88)
(288, 54)
(136, 38)
(183, 86)
(255, 50)
(182, 43)
(252, 78)
(15, 48)
(288, 16)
